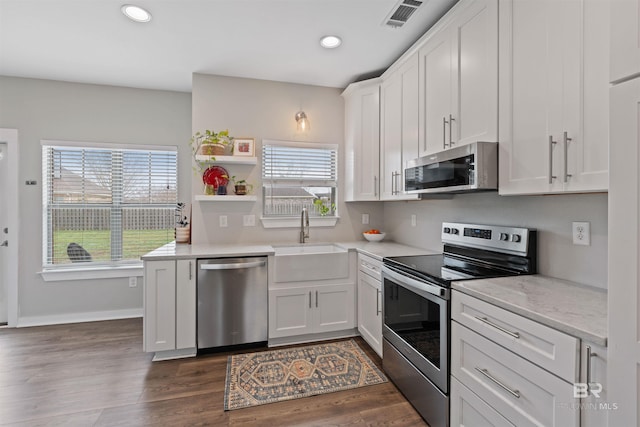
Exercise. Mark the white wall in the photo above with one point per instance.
(42, 109)
(265, 110)
(550, 215)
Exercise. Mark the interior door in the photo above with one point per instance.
(4, 178)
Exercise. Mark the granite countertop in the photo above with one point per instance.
(174, 251)
(573, 308)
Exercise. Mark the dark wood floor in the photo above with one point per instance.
(96, 374)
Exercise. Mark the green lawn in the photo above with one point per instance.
(98, 243)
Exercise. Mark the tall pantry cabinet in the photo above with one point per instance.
(624, 215)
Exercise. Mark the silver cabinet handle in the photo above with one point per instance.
(589, 356)
(486, 373)
(233, 266)
(5, 243)
(375, 186)
(316, 299)
(498, 327)
(378, 311)
(551, 144)
(309, 299)
(190, 270)
(566, 141)
(444, 132)
(451, 120)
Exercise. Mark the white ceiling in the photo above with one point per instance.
(90, 41)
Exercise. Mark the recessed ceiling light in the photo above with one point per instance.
(135, 13)
(330, 42)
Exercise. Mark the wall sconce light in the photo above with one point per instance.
(303, 122)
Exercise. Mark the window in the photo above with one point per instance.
(106, 204)
(297, 175)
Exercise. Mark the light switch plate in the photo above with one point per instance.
(249, 220)
(223, 220)
(365, 218)
(414, 220)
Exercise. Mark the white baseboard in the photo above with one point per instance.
(94, 316)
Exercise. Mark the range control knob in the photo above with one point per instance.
(504, 237)
(515, 238)
(455, 231)
(447, 230)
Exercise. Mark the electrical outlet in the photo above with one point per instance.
(223, 220)
(414, 220)
(581, 233)
(365, 218)
(133, 282)
(249, 220)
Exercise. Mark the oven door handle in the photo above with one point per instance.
(413, 284)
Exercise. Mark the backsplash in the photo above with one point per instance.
(550, 215)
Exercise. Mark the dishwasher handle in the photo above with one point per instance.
(233, 266)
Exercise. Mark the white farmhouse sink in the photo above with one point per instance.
(310, 262)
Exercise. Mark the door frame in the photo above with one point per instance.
(10, 136)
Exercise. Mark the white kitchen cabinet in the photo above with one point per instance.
(553, 66)
(311, 309)
(362, 141)
(398, 128)
(169, 323)
(468, 410)
(458, 78)
(370, 302)
(625, 39)
(159, 305)
(596, 405)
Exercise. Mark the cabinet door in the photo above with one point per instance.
(475, 91)
(390, 135)
(370, 311)
(625, 39)
(185, 304)
(159, 305)
(334, 308)
(410, 113)
(596, 405)
(533, 65)
(290, 312)
(467, 409)
(435, 86)
(362, 140)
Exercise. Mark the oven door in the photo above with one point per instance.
(416, 323)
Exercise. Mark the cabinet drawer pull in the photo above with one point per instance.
(589, 356)
(514, 393)
(498, 327)
(566, 152)
(309, 299)
(551, 144)
(378, 311)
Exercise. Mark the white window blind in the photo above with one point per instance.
(295, 175)
(106, 205)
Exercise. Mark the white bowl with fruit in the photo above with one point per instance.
(374, 235)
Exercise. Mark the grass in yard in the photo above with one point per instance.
(98, 243)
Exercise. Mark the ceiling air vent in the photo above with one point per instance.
(401, 13)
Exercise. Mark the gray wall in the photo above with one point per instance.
(42, 109)
(550, 215)
(265, 110)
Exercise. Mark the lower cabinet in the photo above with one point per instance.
(370, 310)
(311, 309)
(169, 305)
(467, 409)
(593, 388)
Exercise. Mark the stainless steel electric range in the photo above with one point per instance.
(416, 305)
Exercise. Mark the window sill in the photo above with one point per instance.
(88, 273)
(294, 222)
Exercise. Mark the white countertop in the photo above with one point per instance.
(578, 310)
(172, 250)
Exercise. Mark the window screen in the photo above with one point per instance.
(106, 205)
(299, 175)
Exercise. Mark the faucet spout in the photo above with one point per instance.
(304, 225)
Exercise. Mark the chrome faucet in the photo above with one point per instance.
(304, 225)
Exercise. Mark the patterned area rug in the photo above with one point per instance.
(277, 375)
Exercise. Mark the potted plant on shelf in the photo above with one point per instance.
(240, 186)
(183, 230)
(211, 143)
(322, 209)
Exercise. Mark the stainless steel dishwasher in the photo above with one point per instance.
(232, 301)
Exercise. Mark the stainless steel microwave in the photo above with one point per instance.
(472, 167)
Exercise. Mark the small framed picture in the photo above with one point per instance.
(244, 147)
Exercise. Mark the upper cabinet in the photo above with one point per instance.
(553, 102)
(398, 128)
(362, 141)
(625, 39)
(458, 78)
